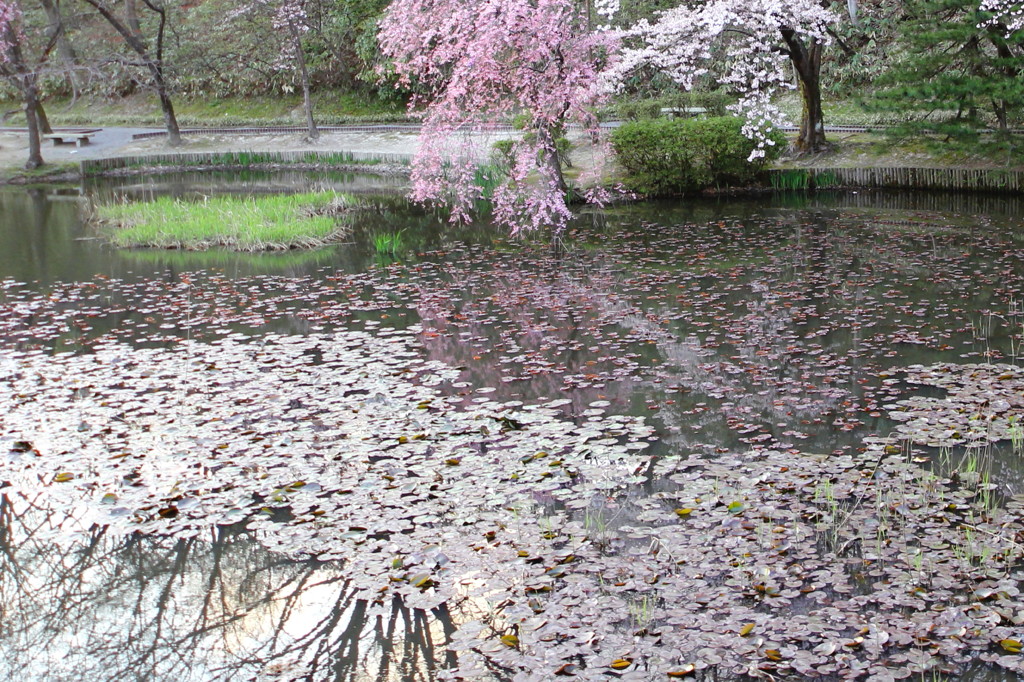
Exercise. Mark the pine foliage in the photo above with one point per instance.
(957, 75)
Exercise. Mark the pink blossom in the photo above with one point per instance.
(10, 28)
(474, 64)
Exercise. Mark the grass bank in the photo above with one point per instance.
(261, 223)
(143, 110)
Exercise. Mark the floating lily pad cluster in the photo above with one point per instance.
(534, 528)
(767, 330)
(776, 564)
(370, 466)
(983, 404)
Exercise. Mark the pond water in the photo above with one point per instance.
(641, 359)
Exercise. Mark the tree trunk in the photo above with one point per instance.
(1002, 121)
(31, 96)
(551, 160)
(43, 119)
(1000, 106)
(807, 63)
(131, 14)
(167, 108)
(812, 120)
(17, 68)
(307, 101)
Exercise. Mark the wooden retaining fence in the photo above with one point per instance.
(953, 179)
(948, 201)
(242, 159)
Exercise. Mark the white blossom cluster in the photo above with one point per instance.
(1009, 14)
(287, 17)
(606, 8)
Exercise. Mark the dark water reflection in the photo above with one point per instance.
(791, 271)
(93, 607)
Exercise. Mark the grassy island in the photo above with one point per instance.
(243, 223)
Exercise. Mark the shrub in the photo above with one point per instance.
(502, 154)
(670, 156)
(715, 101)
(638, 110)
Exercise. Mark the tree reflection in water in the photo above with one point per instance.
(92, 606)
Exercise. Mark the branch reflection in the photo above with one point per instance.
(90, 605)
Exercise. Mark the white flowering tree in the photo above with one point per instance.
(762, 42)
(290, 22)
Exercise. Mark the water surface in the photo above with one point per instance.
(728, 325)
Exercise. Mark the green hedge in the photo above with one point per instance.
(670, 156)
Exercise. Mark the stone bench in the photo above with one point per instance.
(79, 137)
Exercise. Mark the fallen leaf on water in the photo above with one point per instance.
(1011, 645)
(421, 580)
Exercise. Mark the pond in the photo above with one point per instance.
(706, 439)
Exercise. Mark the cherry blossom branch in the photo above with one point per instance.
(474, 63)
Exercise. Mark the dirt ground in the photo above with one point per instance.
(13, 152)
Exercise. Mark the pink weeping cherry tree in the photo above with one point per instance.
(762, 43)
(475, 63)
